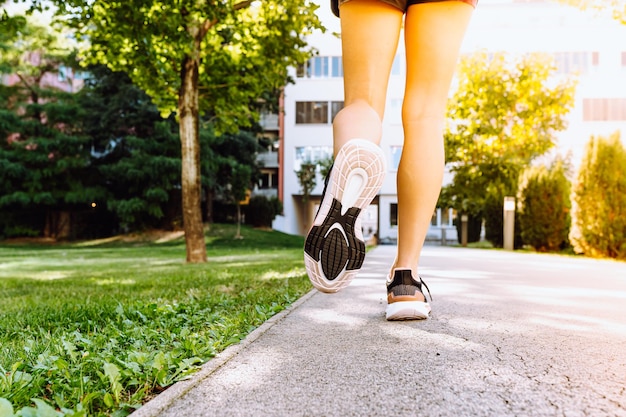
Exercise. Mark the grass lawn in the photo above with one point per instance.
(98, 328)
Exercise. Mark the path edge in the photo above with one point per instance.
(163, 401)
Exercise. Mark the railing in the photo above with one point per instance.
(268, 159)
(269, 121)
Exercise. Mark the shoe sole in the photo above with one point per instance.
(408, 310)
(334, 249)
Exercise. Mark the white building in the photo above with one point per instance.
(585, 44)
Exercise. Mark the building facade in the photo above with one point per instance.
(585, 45)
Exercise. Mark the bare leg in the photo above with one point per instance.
(334, 249)
(366, 70)
(433, 36)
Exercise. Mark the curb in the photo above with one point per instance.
(161, 402)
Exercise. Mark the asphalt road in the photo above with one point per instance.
(511, 334)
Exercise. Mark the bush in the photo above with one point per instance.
(27, 223)
(599, 209)
(494, 220)
(474, 226)
(262, 211)
(544, 202)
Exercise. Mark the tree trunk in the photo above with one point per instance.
(238, 235)
(190, 145)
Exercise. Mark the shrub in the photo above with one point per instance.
(474, 226)
(261, 211)
(494, 219)
(599, 209)
(544, 202)
(307, 178)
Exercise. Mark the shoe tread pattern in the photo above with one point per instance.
(327, 243)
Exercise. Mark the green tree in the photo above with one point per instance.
(10, 33)
(545, 205)
(227, 151)
(240, 184)
(326, 165)
(196, 59)
(307, 177)
(135, 152)
(43, 156)
(599, 209)
(31, 51)
(504, 113)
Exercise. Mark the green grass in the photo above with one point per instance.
(98, 329)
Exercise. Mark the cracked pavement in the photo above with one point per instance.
(511, 334)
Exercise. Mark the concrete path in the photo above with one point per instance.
(511, 334)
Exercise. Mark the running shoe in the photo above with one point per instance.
(405, 298)
(334, 249)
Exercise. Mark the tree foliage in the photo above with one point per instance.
(600, 199)
(307, 177)
(135, 152)
(42, 152)
(243, 48)
(96, 162)
(545, 205)
(261, 211)
(210, 60)
(505, 112)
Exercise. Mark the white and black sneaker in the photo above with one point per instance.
(334, 249)
(405, 298)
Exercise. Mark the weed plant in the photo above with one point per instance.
(99, 329)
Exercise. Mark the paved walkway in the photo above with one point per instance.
(511, 334)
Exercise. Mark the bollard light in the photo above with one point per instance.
(509, 222)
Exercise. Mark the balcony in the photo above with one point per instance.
(268, 159)
(269, 121)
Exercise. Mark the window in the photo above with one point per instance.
(604, 109)
(576, 62)
(393, 214)
(447, 217)
(396, 68)
(595, 59)
(321, 67)
(394, 114)
(310, 112)
(443, 217)
(337, 67)
(396, 152)
(65, 73)
(312, 154)
(268, 181)
(317, 112)
(335, 106)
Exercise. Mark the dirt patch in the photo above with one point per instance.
(156, 236)
(30, 240)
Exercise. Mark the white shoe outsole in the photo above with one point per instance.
(408, 310)
(334, 249)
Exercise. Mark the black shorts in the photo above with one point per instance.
(399, 4)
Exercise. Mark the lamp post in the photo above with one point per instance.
(509, 222)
